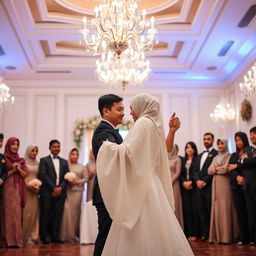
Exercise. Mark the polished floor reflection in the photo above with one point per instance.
(200, 249)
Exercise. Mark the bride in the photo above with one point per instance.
(134, 179)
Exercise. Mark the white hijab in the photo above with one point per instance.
(28, 159)
(125, 171)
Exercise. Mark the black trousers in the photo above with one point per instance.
(250, 200)
(51, 210)
(104, 224)
(190, 213)
(204, 206)
(242, 214)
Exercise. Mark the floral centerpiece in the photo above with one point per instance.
(246, 110)
(91, 124)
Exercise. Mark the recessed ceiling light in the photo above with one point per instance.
(211, 68)
(10, 67)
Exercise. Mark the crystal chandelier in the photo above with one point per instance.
(130, 69)
(223, 113)
(248, 87)
(5, 98)
(118, 27)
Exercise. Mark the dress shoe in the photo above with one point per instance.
(57, 240)
(45, 241)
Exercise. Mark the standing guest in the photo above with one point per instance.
(242, 182)
(175, 170)
(112, 112)
(52, 170)
(31, 210)
(14, 193)
(223, 227)
(3, 176)
(188, 192)
(72, 207)
(204, 183)
(91, 170)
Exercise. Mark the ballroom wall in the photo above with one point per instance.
(45, 110)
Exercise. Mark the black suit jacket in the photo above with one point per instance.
(247, 169)
(103, 132)
(47, 175)
(183, 175)
(3, 171)
(203, 174)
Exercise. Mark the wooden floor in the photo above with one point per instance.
(200, 249)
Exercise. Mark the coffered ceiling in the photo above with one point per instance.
(209, 40)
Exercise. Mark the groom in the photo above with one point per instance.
(112, 113)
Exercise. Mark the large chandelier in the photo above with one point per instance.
(248, 87)
(130, 69)
(5, 97)
(223, 113)
(118, 27)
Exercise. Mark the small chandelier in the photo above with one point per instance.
(130, 69)
(248, 87)
(5, 97)
(118, 27)
(223, 113)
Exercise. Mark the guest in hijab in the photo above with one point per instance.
(188, 192)
(135, 184)
(14, 194)
(31, 210)
(223, 225)
(238, 186)
(175, 170)
(72, 207)
(91, 170)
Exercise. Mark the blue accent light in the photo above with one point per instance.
(230, 66)
(225, 48)
(245, 49)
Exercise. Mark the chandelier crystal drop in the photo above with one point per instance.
(5, 97)
(248, 87)
(223, 113)
(128, 70)
(118, 27)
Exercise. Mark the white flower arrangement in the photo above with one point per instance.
(35, 183)
(70, 176)
(91, 124)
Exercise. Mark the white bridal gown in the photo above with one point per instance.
(135, 185)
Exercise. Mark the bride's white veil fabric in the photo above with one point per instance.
(125, 171)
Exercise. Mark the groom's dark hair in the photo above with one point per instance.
(107, 101)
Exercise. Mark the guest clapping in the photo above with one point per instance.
(14, 193)
(72, 208)
(31, 210)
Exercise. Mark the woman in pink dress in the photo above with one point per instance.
(14, 193)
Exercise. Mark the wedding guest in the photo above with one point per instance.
(223, 227)
(246, 167)
(3, 176)
(31, 210)
(72, 207)
(188, 192)
(52, 170)
(14, 193)
(175, 170)
(238, 186)
(91, 169)
(204, 183)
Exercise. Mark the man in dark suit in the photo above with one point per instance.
(204, 183)
(52, 170)
(112, 112)
(247, 166)
(3, 176)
